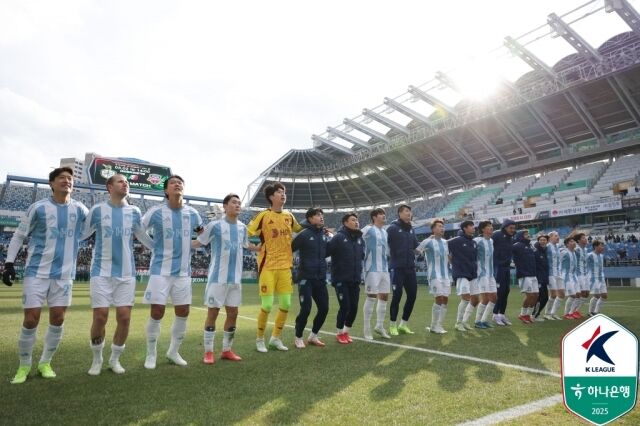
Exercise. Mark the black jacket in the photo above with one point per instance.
(464, 257)
(542, 265)
(502, 246)
(311, 244)
(524, 257)
(346, 249)
(402, 243)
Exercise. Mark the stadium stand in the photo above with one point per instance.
(625, 169)
(452, 209)
(17, 197)
(547, 183)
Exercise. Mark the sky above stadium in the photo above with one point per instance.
(219, 91)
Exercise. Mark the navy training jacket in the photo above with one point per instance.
(311, 244)
(524, 256)
(502, 246)
(464, 257)
(402, 243)
(346, 249)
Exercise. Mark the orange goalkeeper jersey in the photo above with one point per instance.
(275, 231)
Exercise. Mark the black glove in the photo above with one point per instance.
(9, 274)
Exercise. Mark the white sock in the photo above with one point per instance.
(153, 333)
(576, 304)
(592, 304)
(339, 330)
(480, 312)
(51, 341)
(443, 313)
(25, 345)
(312, 336)
(367, 311)
(209, 338)
(402, 323)
(178, 330)
(568, 305)
(116, 351)
(487, 311)
(227, 340)
(549, 307)
(528, 311)
(346, 329)
(381, 310)
(523, 311)
(435, 313)
(468, 312)
(97, 352)
(461, 307)
(599, 304)
(556, 305)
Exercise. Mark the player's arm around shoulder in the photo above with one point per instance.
(254, 228)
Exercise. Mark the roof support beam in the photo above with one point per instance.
(310, 191)
(391, 183)
(326, 190)
(446, 166)
(585, 115)
(431, 100)
(371, 185)
(387, 122)
(625, 97)
(348, 137)
(367, 130)
(447, 81)
(527, 56)
(411, 159)
(407, 111)
(515, 136)
(462, 153)
(547, 125)
(398, 169)
(318, 141)
(346, 194)
(573, 38)
(487, 145)
(624, 9)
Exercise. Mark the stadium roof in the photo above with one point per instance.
(435, 138)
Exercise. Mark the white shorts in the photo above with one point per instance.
(377, 283)
(464, 286)
(599, 287)
(556, 283)
(570, 287)
(160, 288)
(486, 285)
(583, 283)
(528, 285)
(107, 291)
(439, 287)
(36, 290)
(217, 295)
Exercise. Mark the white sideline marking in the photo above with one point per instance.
(515, 412)
(429, 351)
(622, 302)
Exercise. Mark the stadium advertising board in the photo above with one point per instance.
(587, 208)
(149, 177)
(519, 217)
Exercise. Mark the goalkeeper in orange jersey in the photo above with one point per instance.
(275, 227)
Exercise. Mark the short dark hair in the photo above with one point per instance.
(466, 223)
(228, 198)
(376, 212)
(484, 224)
(578, 236)
(166, 183)
(596, 243)
(346, 217)
(568, 239)
(271, 189)
(313, 211)
(545, 236)
(435, 222)
(403, 207)
(57, 172)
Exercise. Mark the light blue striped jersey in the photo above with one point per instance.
(485, 257)
(227, 243)
(171, 230)
(55, 231)
(595, 268)
(376, 249)
(436, 254)
(114, 227)
(568, 265)
(581, 259)
(553, 258)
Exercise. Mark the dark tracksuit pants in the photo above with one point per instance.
(309, 290)
(503, 279)
(403, 278)
(348, 297)
(543, 298)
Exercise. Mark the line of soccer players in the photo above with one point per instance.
(479, 266)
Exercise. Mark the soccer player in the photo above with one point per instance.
(171, 225)
(568, 265)
(311, 244)
(436, 253)
(228, 238)
(582, 292)
(525, 260)
(502, 254)
(464, 267)
(595, 276)
(377, 282)
(556, 282)
(486, 280)
(346, 249)
(402, 249)
(542, 274)
(54, 225)
(275, 227)
(113, 271)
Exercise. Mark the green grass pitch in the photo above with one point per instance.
(360, 383)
